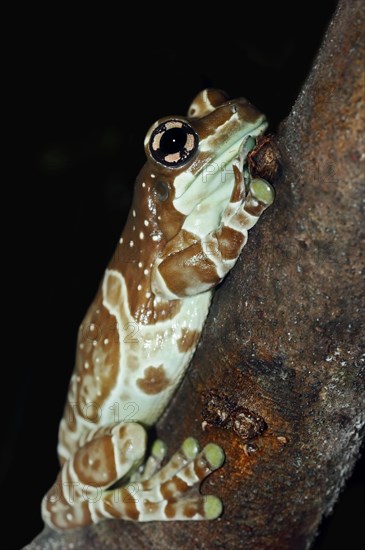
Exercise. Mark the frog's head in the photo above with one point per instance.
(189, 172)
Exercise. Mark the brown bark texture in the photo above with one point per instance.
(282, 347)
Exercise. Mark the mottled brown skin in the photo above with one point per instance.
(154, 380)
(139, 334)
(153, 230)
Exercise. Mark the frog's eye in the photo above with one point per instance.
(173, 143)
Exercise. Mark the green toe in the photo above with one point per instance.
(213, 507)
(159, 449)
(190, 447)
(262, 191)
(214, 455)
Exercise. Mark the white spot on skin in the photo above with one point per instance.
(69, 516)
(97, 311)
(153, 176)
(134, 228)
(92, 327)
(141, 235)
(146, 222)
(121, 240)
(86, 365)
(134, 213)
(143, 184)
(148, 295)
(146, 272)
(140, 264)
(131, 244)
(156, 237)
(106, 341)
(97, 360)
(139, 287)
(95, 343)
(81, 346)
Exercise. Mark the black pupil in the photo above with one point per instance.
(173, 141)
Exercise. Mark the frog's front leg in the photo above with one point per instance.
(83, 492)
(199, 264)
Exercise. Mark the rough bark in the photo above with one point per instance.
(283, 338)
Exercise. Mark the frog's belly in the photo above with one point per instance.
(151, 369)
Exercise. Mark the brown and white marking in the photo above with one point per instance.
(193, 205)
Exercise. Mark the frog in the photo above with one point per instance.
(194, 202)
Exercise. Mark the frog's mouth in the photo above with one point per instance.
(205, 196)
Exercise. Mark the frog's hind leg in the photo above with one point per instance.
(166, 494)
(87, 489)
(106, 455)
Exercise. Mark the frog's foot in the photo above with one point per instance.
(165, 495)
(249, 197)
(244, 215)
(106, 455)
(153, 462)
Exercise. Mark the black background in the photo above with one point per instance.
(84, 92)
